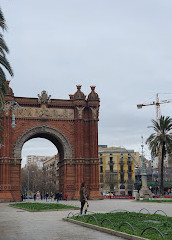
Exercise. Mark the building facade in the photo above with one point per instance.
(36, 160)
(117, 170)
(51, 172)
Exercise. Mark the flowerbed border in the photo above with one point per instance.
(105, 230)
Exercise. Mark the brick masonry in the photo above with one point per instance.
(71, 125)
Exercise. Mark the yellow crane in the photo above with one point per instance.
(157, 104)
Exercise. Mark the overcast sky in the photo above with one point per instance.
(123, 47)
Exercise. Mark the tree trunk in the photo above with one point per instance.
(162, 170)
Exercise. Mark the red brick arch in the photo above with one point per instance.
(71, 125)
(44, 131)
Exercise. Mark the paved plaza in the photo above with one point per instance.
(17, 224)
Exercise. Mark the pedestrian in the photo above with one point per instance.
(46, 196)
(66, 196)
(58, 196)
(35, 197)
(61, 196)
(22, 197)
(51, 196)
(82, 196)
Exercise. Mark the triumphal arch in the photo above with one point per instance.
(71, 125)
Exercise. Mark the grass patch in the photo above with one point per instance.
(139, 222)
(42, 206)
(158, 201)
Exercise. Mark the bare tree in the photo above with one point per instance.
(39, 180)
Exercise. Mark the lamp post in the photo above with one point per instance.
(144, 192)
(12, 106)
(28, 168)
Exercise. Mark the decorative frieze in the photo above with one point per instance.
(10, 161)
(43, 112)
(5, 187)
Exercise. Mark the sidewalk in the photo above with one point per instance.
(17, 224)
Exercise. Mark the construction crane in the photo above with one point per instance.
(157, 103)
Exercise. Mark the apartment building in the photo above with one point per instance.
(117, 169)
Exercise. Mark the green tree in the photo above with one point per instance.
(160, 143)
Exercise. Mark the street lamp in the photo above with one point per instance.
(144, 192)
(12, 106)
(28, 167)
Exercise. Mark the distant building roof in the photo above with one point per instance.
(102, 146)
(114, 150)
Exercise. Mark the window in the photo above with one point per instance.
(101, 160)
(122, 178)
(101, 178)
(129, 177)
(129, 159)
(111, 159)
(101, 169)
(121, 168)
(111, 168)
(129, 168)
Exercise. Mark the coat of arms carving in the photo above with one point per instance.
(44, 98)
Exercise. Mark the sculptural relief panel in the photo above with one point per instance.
(44, 112)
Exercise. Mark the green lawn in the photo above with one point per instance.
(139, 222)
(41, 206)
(158, 201)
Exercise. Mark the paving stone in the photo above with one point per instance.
(17, 224)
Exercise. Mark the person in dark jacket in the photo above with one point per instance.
(34, 197)
(82, 196)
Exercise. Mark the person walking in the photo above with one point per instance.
(46, 196)
(66, 196)
(82, 196)
(34, 197)
(22, 197)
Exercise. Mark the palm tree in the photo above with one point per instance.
(4, 64)
(160, 142)
(2, 21)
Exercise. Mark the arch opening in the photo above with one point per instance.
(39, 171)
(38, 147)
(38, 180)
(52, 134)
